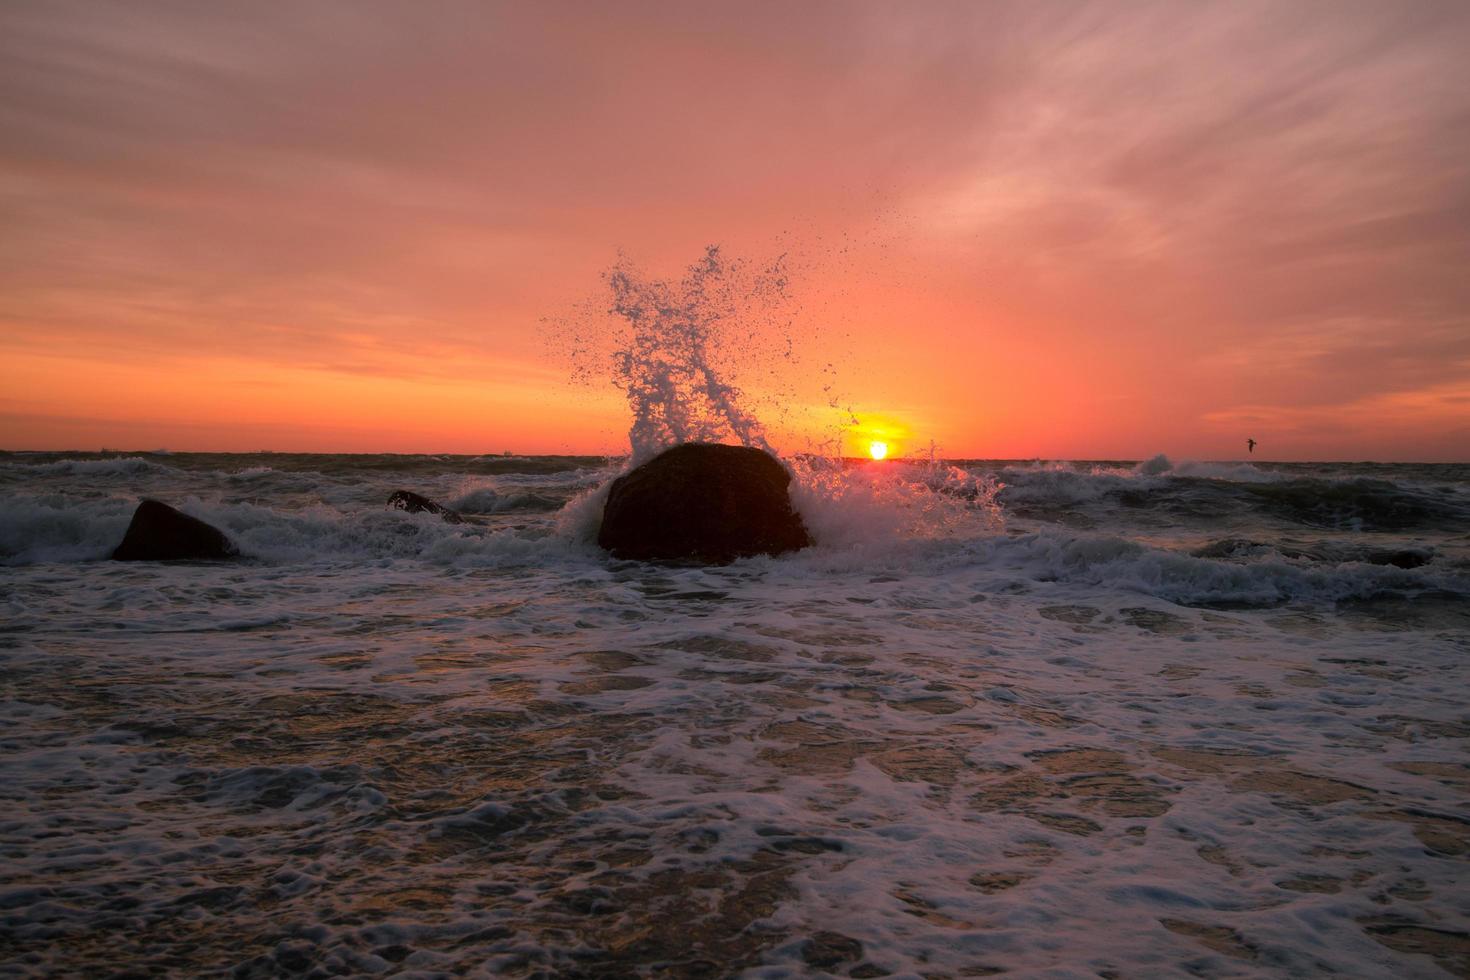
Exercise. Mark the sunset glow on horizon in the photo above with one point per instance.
(1083, 230)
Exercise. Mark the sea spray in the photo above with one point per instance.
(862, 505)
(676, 349)
(681, 350)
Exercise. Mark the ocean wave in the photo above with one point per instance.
(57, 528)
(251, 473)
(1216, 491)
(1245, 549)
(119, 466)
(1267, 580)
(529, 466)
(1006, 562)
(326, 533)
(912, 517)
(488, 500)
(1358, 503)
(1162, 465)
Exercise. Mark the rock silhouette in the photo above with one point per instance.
(702, 502)
(158, 532)
(416, 503)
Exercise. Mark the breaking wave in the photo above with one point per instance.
(112, 467)
(939, 521)
(1329, 498)
(1264, 580)
(487, 500)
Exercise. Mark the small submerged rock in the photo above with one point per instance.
(416, 503)
(702, 502)
(158, 532)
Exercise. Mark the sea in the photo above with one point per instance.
(1057, 719)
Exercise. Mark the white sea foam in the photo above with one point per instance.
(878, 505)
(581, 518)
(59, 528)
(959, 752)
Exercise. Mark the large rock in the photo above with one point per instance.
(160, 533)
(417, 503)
(702, 502)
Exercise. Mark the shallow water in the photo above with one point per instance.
(1140, 720)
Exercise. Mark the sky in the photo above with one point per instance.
(1019, 230)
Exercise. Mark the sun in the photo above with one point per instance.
(878, 450)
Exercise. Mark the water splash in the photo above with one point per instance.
(681, 349)
(854, 504)
(678, 348)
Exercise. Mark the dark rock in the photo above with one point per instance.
(702, 502)
(417, 503)
(1402, 558)
(160, 533)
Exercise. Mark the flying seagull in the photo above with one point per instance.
(1250, 445)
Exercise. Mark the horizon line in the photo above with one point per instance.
(505, 454)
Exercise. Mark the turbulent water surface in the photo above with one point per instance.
(1105, 719)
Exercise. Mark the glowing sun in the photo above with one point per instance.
(878, 450)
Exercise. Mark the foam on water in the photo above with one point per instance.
(946, 752)
(884, 514)
(61, 528)
(876, 506)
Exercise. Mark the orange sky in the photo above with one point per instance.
(1060, 230)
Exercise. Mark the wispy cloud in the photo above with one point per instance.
(1265, 204)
